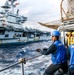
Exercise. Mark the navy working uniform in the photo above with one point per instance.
(70, 54)
(59, 57)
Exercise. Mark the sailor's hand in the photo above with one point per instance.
(44, 49)
(38, 50)
(22, 60)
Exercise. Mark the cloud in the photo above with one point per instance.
(38, 10)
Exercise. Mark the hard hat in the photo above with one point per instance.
(55, 33)
(72, 33)
(69, 33)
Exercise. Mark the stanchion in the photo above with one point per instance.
(22, 68)
(9, 66)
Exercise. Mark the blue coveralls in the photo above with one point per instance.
(59, 58)
(71, 64)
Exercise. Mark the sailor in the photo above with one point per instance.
(66, 40)
(69, 38)
(59, 57)
(70, 54)
(72, 38)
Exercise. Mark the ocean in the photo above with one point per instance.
(11, 54)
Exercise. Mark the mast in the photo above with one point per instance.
(12, 5)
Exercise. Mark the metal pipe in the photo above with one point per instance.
(61, 9)
(10, 66)
(22, 68)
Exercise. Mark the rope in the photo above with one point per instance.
(23, 60)
(33, 57)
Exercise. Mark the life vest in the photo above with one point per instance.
(59, 56)
(72, 40)
(68, 35)
(69, 40)
(71, 47)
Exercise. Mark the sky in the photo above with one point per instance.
(38, 11)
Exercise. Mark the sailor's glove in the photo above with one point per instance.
(38, 50)
(45, 49)
(22, 60)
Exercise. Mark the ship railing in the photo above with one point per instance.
(21, 61)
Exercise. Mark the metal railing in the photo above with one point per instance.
(64, 13)
(21, 61)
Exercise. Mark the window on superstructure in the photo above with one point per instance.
(12, 19)
(37, 35)
(18, 20)
(2, 32)
(18, 35)
(6, 35)
(25, 34)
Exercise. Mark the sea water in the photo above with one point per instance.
(11, 55)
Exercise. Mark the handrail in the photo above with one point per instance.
(22, 61)
(62, 11)
(9, 66)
